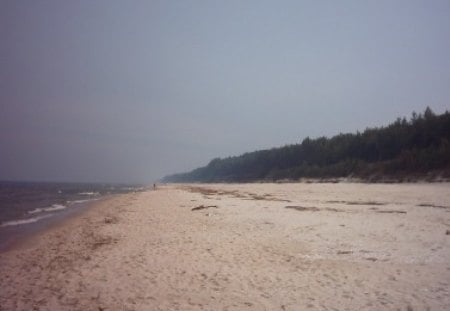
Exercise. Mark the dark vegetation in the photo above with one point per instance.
(403, 150)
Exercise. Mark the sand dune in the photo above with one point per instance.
(242, 247)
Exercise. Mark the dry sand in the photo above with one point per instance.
(243, 247)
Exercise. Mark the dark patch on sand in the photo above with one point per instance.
(208, 193)
(303, 208)
(391, 212)
(111, 220)
(344, 252)
(312, 208)
(356, 202)
(200, 207)
(432, 205)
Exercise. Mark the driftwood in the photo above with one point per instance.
(203, 207)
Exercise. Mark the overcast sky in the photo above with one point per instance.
(129, 91)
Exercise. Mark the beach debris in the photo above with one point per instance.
(447, 232)
(303, 208)
(265, 197)
(432, 205)
(344, 252)
(208, 193)
(356, 202)
(391, 212)
(200, 207)
(99, 241)
(111, 220)
(329, 209)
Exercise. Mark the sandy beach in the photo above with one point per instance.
(298, 246)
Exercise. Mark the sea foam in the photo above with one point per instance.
(24, 221)
(81, 201)
(89, 193)
(54, 207)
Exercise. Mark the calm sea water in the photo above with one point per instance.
(28, 205)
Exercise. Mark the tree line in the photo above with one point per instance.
(417, 147)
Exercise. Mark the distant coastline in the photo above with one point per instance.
(413, 179)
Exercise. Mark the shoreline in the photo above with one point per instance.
(20, 237)
(242, 246)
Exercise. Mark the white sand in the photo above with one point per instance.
(340, 247)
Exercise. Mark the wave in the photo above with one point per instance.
(81, 201)
(24, 221)
(89, 193)
(54, 207)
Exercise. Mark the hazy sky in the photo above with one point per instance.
(134, 90)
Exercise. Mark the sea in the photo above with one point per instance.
(28, 207)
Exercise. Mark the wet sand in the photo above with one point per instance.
(13, 236)
(242, 247)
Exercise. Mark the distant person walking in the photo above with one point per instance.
(154, 186)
